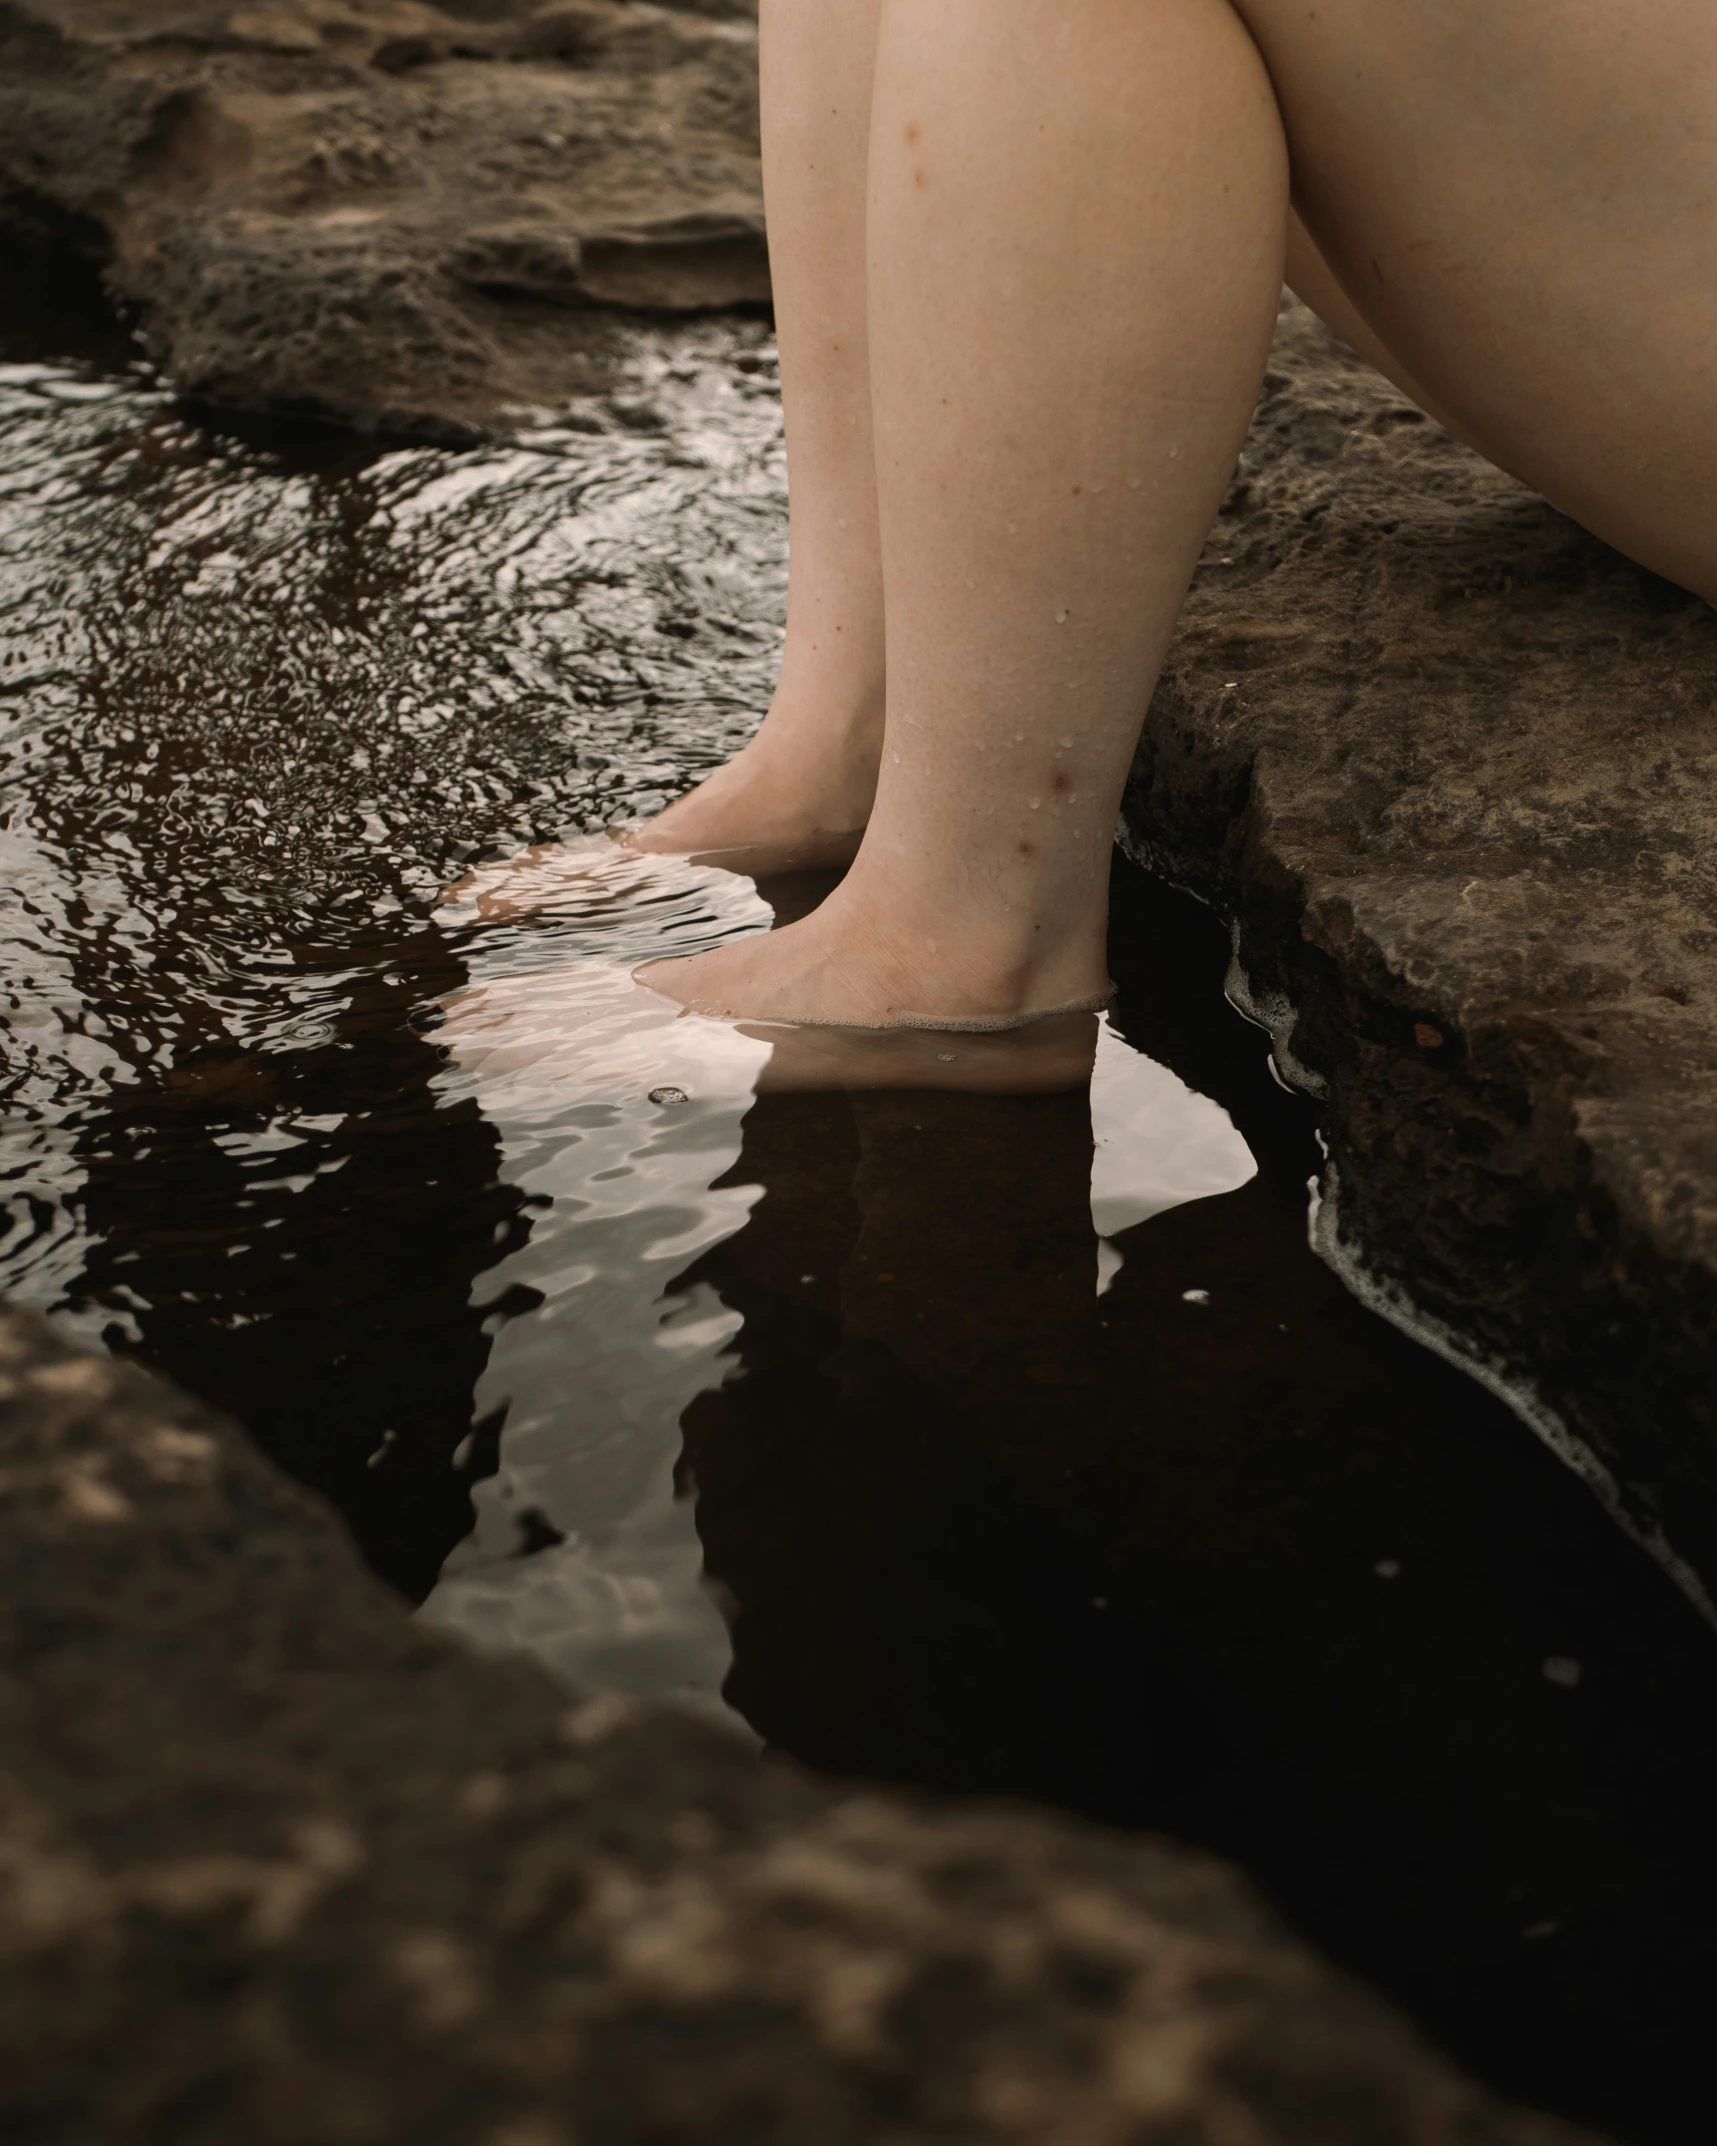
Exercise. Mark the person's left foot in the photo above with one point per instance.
(784, 803)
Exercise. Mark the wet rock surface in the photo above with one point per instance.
(385, 213)
(277, 1864)
(1452, 764)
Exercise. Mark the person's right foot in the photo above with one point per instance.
(857, 962)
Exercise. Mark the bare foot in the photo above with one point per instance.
(837, 969)
(584, 1031)
(606, 905)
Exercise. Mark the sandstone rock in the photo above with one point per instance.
(385, 213)
(1451, 765)
(278, 1865)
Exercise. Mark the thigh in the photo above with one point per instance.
(1521, 202)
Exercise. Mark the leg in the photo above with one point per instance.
(1076, 245)
(1313, 282)
(1519, 205)
(807, 779)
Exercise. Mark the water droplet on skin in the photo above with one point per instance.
(1066, 744)
(1061, 618)
(1034, 802)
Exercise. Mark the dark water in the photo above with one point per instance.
(807, 1400)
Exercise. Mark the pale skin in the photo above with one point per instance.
(1027, 255)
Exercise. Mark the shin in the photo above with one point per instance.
(1076, 232)
(811, 771)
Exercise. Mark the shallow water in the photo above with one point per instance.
(957, 1440)
(624, 1125)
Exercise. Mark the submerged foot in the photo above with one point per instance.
(584, 1030)
(833, 970)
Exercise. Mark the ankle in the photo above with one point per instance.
(975, 961)
(835, 735)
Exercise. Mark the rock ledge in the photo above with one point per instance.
(1451, 767)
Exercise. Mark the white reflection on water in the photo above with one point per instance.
(1157, 1144)
(566, 1060)
(619, 1119)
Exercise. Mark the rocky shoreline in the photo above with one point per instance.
(1446, 761)
(388, 215)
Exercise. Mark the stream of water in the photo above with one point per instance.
(1000, 1443)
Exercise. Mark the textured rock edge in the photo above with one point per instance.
(1520, 1126)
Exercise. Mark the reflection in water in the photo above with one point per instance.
(260, 698)
(1175, 1536)
(1019, 1462)
(619, 1120)
(293, 1232)
(616, 1120)
(1215, 1551)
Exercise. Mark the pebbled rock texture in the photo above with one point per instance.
(392, 215)
(1451, 765)
(278, 1864)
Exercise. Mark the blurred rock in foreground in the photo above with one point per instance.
(278, 1864)
(383, 213)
